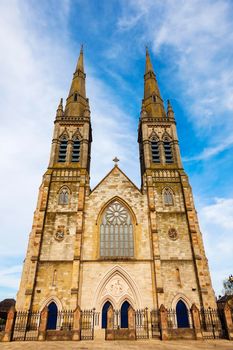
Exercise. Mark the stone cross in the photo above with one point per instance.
(116, 160)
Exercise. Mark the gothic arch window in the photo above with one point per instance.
(167, 150)
(75, 97)
(155, 151)
(116, 232)
(62, 150)
(167, 196)
(76, 151)
(63, 197)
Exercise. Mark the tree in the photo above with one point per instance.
(228, 286)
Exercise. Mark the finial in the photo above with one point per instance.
(116, 160)
(81, 50)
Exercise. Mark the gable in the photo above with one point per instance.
(117, 179)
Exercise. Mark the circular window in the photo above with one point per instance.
(172, 233)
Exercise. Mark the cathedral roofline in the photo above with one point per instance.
(111, 171)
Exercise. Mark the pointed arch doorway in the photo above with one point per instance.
(104, 313)
(182, 315)
(52, 316)
(124, 314)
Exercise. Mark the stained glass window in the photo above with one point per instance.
(63, 196)
(167, 196)
(116, 232)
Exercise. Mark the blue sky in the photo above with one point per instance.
(192, 53)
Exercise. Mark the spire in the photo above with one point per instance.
(170, 112)
(80, 65)
(149, 67)
(60, 109)
(152, 99)
(77, 102)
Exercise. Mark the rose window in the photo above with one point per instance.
(116, 214)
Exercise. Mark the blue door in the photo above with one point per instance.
(182, 315)
(52, 316)
(104, 314)
(124, 314)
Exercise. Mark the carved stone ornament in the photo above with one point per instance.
(172, 233)
(59, 235)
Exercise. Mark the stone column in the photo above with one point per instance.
(9, 328)
(163, 322)
(43, 324)
(131, 323)
(77, 324)
(109, 335)
(196, 321)
(228, 321)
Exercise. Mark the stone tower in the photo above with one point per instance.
(177, 245)
(52, 264)
(115, 244)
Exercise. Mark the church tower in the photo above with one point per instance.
(51, 268)
(179, 261)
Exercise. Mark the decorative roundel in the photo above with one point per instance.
(59, 235)
(172, 233)
(116, 214)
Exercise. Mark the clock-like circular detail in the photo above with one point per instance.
(59, 235)
(116, 214)
(172, 233)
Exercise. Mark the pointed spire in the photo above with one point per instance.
(148, 67)
(152, 99)
(170, 112)
(77, 102)
(80, 64)
(60, 109)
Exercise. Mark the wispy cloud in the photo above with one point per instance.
(195, 36)
(212, 151)
(217, 226)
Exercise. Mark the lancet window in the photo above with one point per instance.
(76, 151)
(116, 232)
(155, 151)
(62, 150)
(167, 196)
(63, 196)
(167, 151)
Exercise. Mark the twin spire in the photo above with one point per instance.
(77, 103)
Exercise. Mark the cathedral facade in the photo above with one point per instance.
(116, 244)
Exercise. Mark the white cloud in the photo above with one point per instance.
(36, 70)
(217, 227)
(196, 38)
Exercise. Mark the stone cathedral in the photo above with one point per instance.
(115, 244)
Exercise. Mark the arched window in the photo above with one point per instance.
(155, 151)
(62, 150)
(116, 232)
(124, 314)
(167, 196)
(167, 151)
(75, 97)
(52, 316)
(104, 313)
(63, 196)
(76, 151)
(182, 315)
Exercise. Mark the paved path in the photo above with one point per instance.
(120, 345)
